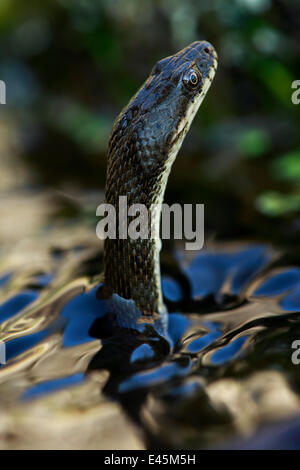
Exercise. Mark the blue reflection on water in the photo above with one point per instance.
(81, 311)
(200, 343)
(228, 352)
(44, 279)
(171, 289)
(17, 303)
(279, 283)
(185, 390)
(208, 271)
(53, 385)
(143, 352)
(4, 279)
(19, 345)
(248, 264)
(155, 376)
(77, 316)
(177, 325)
(291, 302)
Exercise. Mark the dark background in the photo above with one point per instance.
(70, 67)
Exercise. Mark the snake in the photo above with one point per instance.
(144, 142)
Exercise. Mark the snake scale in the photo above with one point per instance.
(144, 142)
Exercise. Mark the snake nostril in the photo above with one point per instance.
(207, 50)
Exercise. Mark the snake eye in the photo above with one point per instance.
(191, 79)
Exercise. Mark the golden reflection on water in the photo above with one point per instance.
(78, 416)
(230, 372)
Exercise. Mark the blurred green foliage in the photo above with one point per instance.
(253, 142)
(274, 204)
(70, 67)
(288, 166)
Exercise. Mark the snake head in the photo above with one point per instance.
(169, 99)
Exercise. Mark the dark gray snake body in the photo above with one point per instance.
(144, 142)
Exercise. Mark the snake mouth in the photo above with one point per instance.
(184, 124)
(179, 136)
(214, 67)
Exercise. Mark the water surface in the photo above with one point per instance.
(222, 376)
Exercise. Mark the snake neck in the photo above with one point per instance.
(132, 266)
